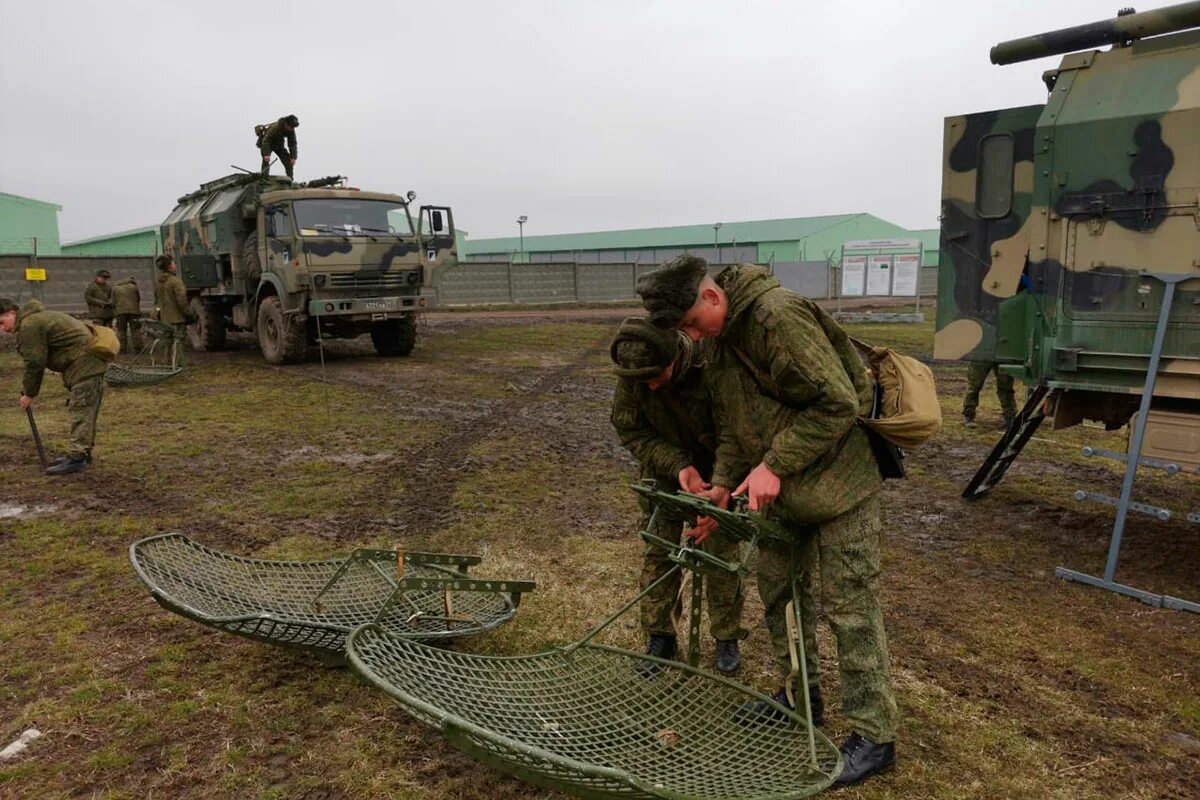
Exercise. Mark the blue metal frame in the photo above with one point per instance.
(1132, 461)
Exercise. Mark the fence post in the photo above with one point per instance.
(575, 274)
(512, 299)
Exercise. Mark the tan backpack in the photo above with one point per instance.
(907, 412)
(104, 344)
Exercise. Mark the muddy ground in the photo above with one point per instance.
(493, 438)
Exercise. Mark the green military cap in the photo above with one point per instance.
(7, 305)
(103, 273)
(669, 291)
(642, 351)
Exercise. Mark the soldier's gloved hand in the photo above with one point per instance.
(691, 482)
(762, 486)
(26, 401)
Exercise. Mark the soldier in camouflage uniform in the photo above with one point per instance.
(127, 303)
(977, 373)
(98, 296)
(279, 138)
(789, 387)
(661, 413)
(51, 340)
(171, 306)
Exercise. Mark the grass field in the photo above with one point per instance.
(493, 438)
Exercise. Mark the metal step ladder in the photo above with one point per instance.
(1023, 426)
(1124, 504)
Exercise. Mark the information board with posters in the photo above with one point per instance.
(879, 275)
(906, 270)
(853, 269)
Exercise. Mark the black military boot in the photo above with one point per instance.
(660, 646)
(969, 421)
(68, 465)
(1007, 422)
(61, 459)
(862, 758)
(729, 658)
(756, 711)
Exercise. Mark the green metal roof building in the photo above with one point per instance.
(797, 239)
(135, 242)
(26, 224)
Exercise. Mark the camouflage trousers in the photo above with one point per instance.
(83, 408)
(977, 373)
(724, 592)
(129, 328)
(846, 551)
(284, 159)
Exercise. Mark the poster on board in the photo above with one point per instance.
(906, 270)
(853, 269)
(879, 275)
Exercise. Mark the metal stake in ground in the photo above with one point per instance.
(36, 438)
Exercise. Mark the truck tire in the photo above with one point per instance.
(395, 337)
(281, 338)
(250, 267)
(207, 333)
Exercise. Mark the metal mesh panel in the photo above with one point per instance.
(139, 375)
(282, 601)
(590, 722)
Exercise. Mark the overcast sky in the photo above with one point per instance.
(582, 115)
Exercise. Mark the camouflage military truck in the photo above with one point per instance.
(294, 262)
(1065, 226)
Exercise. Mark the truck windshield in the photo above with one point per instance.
(351, 217)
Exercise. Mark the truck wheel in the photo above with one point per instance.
(250, 266)
(207, 333)
(395, 337)
(281, 339)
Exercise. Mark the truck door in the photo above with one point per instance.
(987, 198)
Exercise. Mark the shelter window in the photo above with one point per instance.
(995, 176)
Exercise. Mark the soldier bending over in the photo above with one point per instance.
(279, 138)
(788, 387)
(51, 340)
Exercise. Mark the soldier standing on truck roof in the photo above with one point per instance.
(279, 138)
(98, 296)
(662, 415)
(127, 303)
(171, 305)
(788, 387)
(56, 341)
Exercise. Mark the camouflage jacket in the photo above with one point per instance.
(51, 340)
(668, 429)
(275, 136)
(788, 387)
(170, 300)
(127, 299)
(99, 300)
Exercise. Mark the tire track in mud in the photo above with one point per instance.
(433, 473)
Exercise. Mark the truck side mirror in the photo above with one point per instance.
(439, 224)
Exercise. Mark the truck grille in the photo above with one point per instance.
(375, 281)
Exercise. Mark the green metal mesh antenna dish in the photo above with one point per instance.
(142, 369)
(140, 375)
(314, 604)
(593, 721)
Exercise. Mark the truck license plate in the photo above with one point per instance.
(376, 305)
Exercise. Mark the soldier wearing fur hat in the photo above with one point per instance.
(98, 296)
(661, 415)
(279, 138)
(788, 388)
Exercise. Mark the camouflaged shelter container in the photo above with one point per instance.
(294, 261)
(1057, 217)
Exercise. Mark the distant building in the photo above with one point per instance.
(788, 241)
(135, 242)
(27, 225)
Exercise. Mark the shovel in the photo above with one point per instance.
(36, 438)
